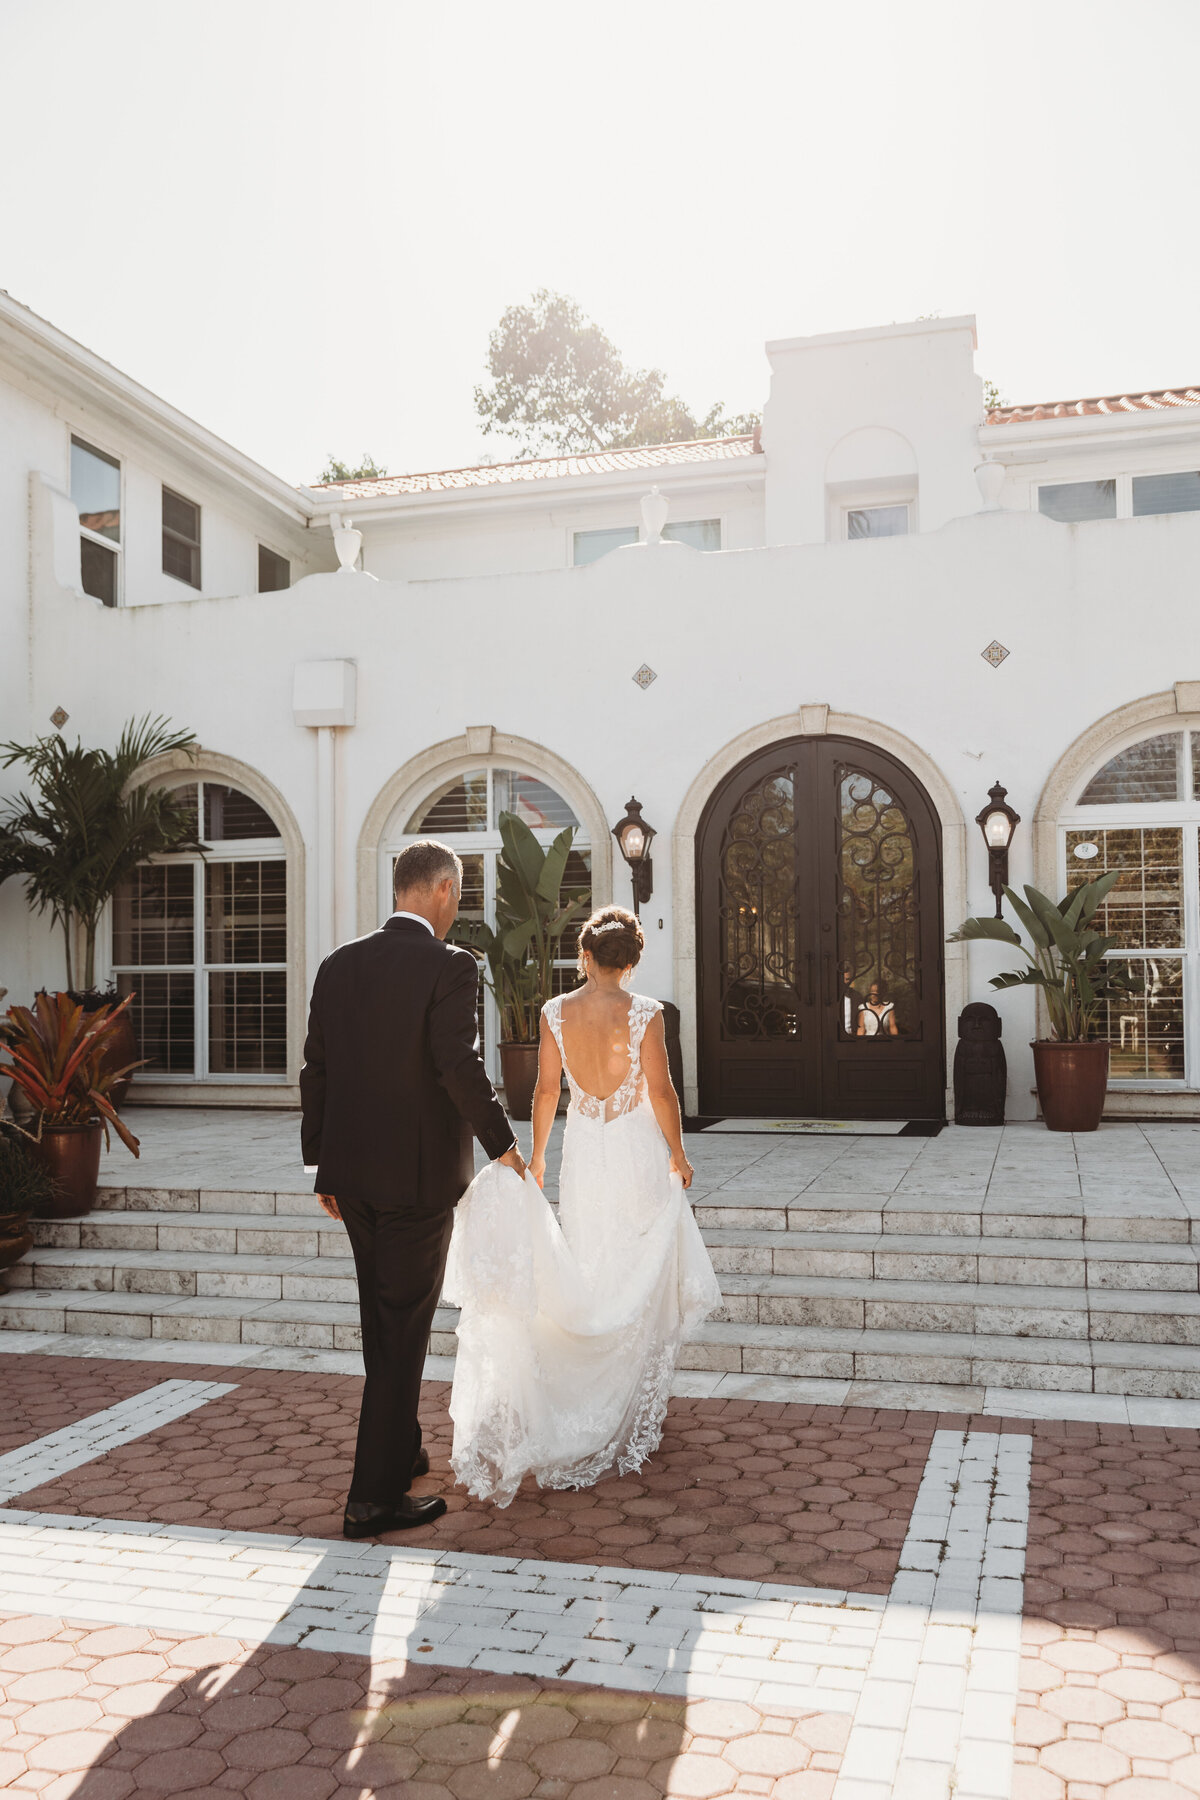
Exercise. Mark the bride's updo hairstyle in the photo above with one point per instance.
(613, 937)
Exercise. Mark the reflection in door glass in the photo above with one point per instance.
(758, 913)
(878, 913)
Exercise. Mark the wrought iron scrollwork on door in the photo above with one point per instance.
(878, 911)
(757, 912)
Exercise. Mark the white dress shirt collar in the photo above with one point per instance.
(421, 920)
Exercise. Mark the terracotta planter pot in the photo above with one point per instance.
(15, 1238)
(1072, 1080)
(72, 1155)
(519, 1064)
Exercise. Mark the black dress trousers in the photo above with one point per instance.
(400, 1257)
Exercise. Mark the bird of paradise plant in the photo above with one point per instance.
(55, 1056)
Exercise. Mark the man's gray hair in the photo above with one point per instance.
(424, 864)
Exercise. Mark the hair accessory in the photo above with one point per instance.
(609, 925)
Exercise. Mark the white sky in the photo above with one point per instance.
(298, 222)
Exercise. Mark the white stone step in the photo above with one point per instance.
(882, 1257)
(814, 1352)
(1126, 1315)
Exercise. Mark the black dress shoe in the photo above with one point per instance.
(420, 1463)
(363, 1520)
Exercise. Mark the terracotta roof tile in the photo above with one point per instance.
(1160, 401)
(551, 468)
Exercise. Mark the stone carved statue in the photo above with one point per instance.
(980, 1067)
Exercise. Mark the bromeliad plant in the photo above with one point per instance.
(531, 918)
(1067, 960)
(56, 1055)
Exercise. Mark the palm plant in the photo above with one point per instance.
(1068, 959)
(85, 827)
(531, 918)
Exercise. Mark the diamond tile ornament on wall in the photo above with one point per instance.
(59, 717)
(995, 653)
(645, 675)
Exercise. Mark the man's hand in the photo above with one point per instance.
(514, 1160)
(331, 1206)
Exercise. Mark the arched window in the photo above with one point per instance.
(463, 810)
(1139, 813)
(202, 942)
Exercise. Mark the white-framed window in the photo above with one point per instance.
(463, 810)
(1139, 813)
(274, 571)
(1120, 496)
(96, 491)
(590, 546)
(877, 521)
(180, 538)
(1071, 502)
(202, 943)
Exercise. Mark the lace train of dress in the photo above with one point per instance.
(570, 1327)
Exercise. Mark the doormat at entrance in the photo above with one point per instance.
(814, 1127)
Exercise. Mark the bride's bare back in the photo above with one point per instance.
(595, 1028)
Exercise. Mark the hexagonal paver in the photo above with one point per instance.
(53, 1717)
(696, 1777)
(1082, 1706)
(273, 1748)
(720, 1719)
(1081, 1760)
(1148, 1738)
(767, 1754)
(1080, 1657)
(572, 1759)
(121, 1671)
(454, 1744)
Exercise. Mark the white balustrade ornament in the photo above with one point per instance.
(990, 476)
(654, 516)
(346, 541)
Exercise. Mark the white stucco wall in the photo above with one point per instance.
(891, 631)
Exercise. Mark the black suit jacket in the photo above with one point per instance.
(393, 1084)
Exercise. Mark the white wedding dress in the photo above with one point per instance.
(571, 1327)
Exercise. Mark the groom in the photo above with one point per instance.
(392, 1088)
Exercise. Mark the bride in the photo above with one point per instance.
(571, 1327)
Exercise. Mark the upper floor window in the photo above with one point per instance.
(1071, 502)
(96, 491)
(1166, 494)
(180, 538)
(274, 572)
(590, 546)
(876, 521)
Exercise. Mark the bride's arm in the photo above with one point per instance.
(663, 1097)
(545, 1100)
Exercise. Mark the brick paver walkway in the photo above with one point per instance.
(819, 1497)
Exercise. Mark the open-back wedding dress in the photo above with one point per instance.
(570, 1327)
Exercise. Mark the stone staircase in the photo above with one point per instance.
(943, 1290)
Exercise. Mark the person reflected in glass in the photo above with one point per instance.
(878, 1016)
(852, 1001)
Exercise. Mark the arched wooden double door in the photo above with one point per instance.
(820, 938)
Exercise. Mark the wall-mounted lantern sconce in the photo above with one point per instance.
(997, 822)
(635, 836)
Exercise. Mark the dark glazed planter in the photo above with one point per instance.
(1072, 1080)
(72, 1155)
(519, 1065)
(15, 1238)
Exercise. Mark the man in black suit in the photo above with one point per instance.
(392, 1088)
